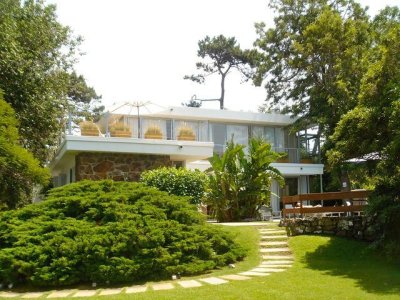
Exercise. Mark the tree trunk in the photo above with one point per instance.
(221, 99)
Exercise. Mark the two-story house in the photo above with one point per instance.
(184, 136)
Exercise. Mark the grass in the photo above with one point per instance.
(324, 268)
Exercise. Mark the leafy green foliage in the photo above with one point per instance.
(372, 128)
(84, 103)
(240, 183)
(220, 55)
(37, 54)
(105, 231)
(192, 103)
(19, 170)
(179, 182)
(313, 59)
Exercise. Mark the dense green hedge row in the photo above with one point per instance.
(106, 231)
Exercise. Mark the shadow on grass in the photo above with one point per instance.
(353, 259)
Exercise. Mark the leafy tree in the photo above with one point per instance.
(220, 55)
(312, 60)
(36, 57)
(19, 170)
(240, 183)
(84, 103)
(372, 128)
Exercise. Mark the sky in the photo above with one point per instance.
(141, 50)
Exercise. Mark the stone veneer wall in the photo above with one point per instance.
(358, 227)
(116, 166)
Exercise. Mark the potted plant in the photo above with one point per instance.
(88, 128)
(120, 130)
(283, 157)
(186, 134)
(305, 157)
(153, 132)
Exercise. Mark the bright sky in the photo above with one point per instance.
(140, 50)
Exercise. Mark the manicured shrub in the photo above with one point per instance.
(105, 231)
(179, 182)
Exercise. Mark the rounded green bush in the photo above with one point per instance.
(179, 182)
(105, 231)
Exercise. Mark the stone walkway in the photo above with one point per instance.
(274, 250)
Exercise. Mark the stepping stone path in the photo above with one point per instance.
(274, 250)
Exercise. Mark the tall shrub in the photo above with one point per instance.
(239, 182)
(179, 182)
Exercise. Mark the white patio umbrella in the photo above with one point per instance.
(136, 107)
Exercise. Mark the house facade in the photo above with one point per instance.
(184, 137)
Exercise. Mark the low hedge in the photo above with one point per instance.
(109, 232)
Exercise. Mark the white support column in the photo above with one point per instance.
(303, 187)
(275, 197)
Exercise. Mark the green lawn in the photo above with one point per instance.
(324, 268)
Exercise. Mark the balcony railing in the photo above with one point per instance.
(289, 155)
(296, 155)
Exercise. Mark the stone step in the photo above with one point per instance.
(250, 273)
(136, 289)
(274, 266)
(273, 237)
(272, 232)
(280, 243)
(213, 280)
(277, 262)
(277, 257)
(85, 293)
(189, 283)
(32, 295)
(9, 294)
(234, 277)
(60, 294)
(267, 270)
(274, 250)
(108, 292)
(163, 286)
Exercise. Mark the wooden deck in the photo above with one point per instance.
(357, 202)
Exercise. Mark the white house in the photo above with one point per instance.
(183, 136)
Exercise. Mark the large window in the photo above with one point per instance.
(218, 136)
(238, 133)
(153, 128)
(198, 128)
(272, 135)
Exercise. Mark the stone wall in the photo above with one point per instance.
(358, 227)
(96, 166)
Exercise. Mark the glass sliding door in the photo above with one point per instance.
(238, 133)
(265, 133)
(218, 136)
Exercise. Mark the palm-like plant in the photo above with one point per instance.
(240, 183)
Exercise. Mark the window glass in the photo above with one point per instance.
(270, 135)
(279, 138)
(186, 130)
(239, 134)
(258, 132)
(153, 128)
(218, 136)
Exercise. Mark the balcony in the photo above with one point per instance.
(297, 156)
